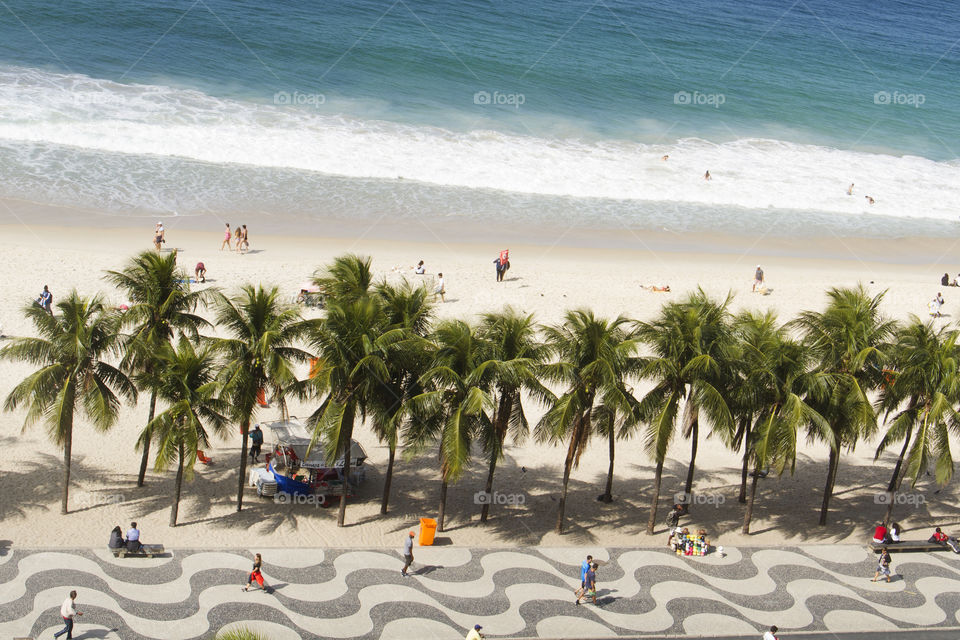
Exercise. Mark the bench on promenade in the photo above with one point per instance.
(147, 550)
(908, 545)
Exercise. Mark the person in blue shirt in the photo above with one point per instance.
(584, 567)
(256, 436)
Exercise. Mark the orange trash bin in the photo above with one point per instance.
(428, 529)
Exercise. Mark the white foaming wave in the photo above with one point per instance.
(78, 111)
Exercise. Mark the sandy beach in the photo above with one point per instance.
(567, 269)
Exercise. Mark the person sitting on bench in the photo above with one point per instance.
(940, 537)
(880, 534)
(116, 538)
(133, 539)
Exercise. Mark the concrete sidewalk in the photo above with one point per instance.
(522, 593)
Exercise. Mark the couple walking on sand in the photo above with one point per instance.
(588, 580)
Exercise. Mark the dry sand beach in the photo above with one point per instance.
(546, 278)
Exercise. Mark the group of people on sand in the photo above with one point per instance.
(132, 541)
(501, 266)
(240, 239)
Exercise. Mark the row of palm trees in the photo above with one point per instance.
(376, 355)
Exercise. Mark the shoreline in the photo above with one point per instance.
(630, 240)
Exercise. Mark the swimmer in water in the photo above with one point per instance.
(869, 199)
(706, 176)
(850, 189)
(665, 158)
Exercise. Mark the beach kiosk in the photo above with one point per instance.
(291, 471)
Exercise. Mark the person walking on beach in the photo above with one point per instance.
(584, 567)
(159, 236)
(502, 264)
(256, 438)
(407, 554)
(771, 634)
(883, 565)
(242, 241)
(441, 289)
(757, 279)
(45, 301)
(68, 611)
(256, 575)
(226, 239)
(590, 584)
(236, 238)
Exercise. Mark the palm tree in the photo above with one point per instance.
(691, 342)
(924, 377)
(72, 374)
(514, 356)
(161, 304)
(259, 353)
(848, 339)
(346, 279)
(456, 405)
(351, 370)
(594, 357)
(186, 380)
(776, 374)
(407, 309)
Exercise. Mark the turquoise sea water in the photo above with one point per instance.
(559, 110)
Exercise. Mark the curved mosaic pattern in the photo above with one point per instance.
(526, 593)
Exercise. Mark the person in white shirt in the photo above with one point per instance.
(441, 289)
(67, 612)
(133, 538)
(474, 634)
(771, 634)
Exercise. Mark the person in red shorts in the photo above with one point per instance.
(255, 575)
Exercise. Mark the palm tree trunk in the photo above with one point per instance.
(608, 494)
(67, 451)
(694, 437)
(244, 429)
(567, 466)
(501, 421)
(828, 489)
(655, 500)
(342, 513)
(443, 504)
(753, 496)
(896, 477)
(347, 418)
(175, 507)
(146, 440)
(488, 488)
(742, 498)
(388, 480)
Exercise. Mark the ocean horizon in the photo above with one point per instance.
(545, 113)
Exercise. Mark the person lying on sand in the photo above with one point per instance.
(653, 287)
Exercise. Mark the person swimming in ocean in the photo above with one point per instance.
(665, 158)
(706, 176)
(869, 200)
(850, 189)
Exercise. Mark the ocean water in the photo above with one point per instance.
(549, 112)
